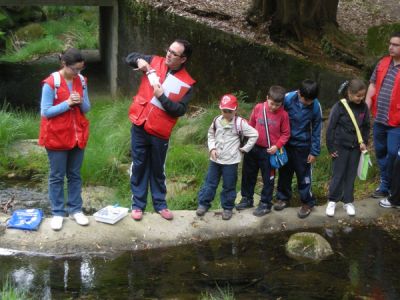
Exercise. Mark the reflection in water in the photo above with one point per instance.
(66, 269)
(87, 274)
(23, 277)
(365, 264)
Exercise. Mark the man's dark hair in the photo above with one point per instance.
(187, 52)
(395, 34)
(71, 56)
(276, 93)
(309, 89)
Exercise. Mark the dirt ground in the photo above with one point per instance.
(354, 16)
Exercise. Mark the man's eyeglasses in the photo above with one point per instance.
(227, 111)
(173, 53)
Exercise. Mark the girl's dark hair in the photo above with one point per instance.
(71, 56)
(353, 86)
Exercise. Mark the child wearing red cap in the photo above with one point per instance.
(259, 157)
(224, 137)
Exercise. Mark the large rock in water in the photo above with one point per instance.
(308, 246)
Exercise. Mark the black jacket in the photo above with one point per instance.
(341, 130)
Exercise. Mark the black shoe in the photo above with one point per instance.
(244, 203)
(379, 194)
(280, 205)
(261, 210)
(201, 211)
(304, 212)
(226, 214)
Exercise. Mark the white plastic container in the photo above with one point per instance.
(110, 214)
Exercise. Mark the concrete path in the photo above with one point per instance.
(153, 231)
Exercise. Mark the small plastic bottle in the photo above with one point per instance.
(153, 78)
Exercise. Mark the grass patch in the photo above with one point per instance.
(107, 155)
(16, 125)
(10, 292)
(71, 27)
(218, 294)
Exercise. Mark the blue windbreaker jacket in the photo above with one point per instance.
(305, 123)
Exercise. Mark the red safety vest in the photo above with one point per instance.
(394, 106)
(142, 112)
(69, 129)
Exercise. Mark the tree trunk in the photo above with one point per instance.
(296, 18)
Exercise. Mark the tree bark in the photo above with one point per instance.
(296, 18)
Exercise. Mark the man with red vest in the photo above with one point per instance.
(383, 98)
(162, 97)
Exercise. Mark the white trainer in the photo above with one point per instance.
(80, 218)
(385, 203)
(330, 209)
(56, 222)
(350, 209)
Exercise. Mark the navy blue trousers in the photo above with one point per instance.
(297, 164)
(257, 159)
(209, 188)
(148, 156)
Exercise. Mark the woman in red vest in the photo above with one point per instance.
(64, 131)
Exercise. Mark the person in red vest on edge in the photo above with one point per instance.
(64, 132)
(163, 96)
(383, 99)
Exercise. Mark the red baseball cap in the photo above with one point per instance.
(228, 101)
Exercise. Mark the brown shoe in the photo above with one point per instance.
(280, 205)
(304, 211)
(226, 214)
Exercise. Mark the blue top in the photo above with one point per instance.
(305, 123)
(48, 110)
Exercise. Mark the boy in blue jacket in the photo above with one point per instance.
(303, 147)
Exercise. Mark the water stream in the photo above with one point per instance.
(365, 264)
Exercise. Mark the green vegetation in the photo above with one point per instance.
(10, 292)
(378, 38)
(218, 294)
(107, 156)
(63, 30)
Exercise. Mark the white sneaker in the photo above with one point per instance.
(80, 218)
(330, 209)
(385, 203)
(56, 222)
(349, 207)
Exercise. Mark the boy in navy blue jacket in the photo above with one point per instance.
(303, 147)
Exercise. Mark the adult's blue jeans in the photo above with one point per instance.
(148, 156)
(65, 163)
(209, 188)
(387, 143)
(257, 159)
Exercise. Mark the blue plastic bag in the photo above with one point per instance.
(278, 159)
(26, 219)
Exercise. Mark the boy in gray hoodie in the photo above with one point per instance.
(224, 144)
